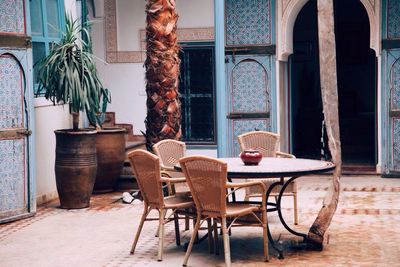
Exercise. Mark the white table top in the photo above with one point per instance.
(276, 167)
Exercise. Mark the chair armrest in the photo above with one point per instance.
(284, 155)
(238, 186)
(166, 168)
(173, 180)
(247, 184)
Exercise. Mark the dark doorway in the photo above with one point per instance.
(356, 66)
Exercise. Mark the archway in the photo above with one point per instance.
(356, 65)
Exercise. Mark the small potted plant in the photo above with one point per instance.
(68, 75)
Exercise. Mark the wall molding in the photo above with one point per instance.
(113, 55)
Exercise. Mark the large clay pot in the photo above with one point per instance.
(110, 146)
(76, 166)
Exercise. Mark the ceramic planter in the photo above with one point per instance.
(75, 167)
(110, 147)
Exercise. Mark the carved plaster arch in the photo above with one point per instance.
(288, 10)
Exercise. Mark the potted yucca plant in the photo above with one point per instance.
(68, 75)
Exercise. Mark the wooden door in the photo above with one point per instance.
(392, 115)
(249, 83)
(17, 198)
(250, 69)
(391, 88)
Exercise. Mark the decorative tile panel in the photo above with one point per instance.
(12, 16)
(395, 86)
(248, 22)
(393, 19)
(250, 87)
(243, 126)
(12, 175)
(11, 93)
(396, 144)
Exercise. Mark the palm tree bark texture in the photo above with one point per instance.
(163, 119)
(329, 92)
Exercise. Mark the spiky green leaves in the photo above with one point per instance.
(68, 75)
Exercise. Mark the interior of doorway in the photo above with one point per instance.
(356, 64)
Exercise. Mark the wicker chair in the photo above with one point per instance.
(146, 168)
(170, 151)
(207, 179)
(268, 144)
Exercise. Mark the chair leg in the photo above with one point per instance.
(296, 217)
(227, 250)
(144, 215)
(197, 232)
(194, 234)
(186, 222)
(265, 235)
(177, 234)
(215, 226)
(246, 193)
(161, 235)
(210, 239)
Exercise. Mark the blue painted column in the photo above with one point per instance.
(30, 116)
(219, 22)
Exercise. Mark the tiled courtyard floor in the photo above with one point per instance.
(364, 232)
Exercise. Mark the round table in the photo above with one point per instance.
(277, 168)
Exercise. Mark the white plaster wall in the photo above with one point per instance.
(47, 119)
(131, 18)
(195, 13)
(126, 81)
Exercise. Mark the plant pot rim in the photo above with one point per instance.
(85, 131)
(111, 129)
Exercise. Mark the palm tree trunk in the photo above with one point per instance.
(163, 119)
(328, 74)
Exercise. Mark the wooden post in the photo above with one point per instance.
(329, 92)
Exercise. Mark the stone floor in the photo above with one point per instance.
(364, 232)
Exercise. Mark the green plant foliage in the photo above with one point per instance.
(68, 75)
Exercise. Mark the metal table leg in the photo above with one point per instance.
(278, 206)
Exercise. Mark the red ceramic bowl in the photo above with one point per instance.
(251, 157)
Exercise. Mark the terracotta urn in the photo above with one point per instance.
(75, 167)
(251, 157)
(110, 147)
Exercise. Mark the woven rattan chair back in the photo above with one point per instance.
(206, 178)
(265, 142)
(170, 151)
(146, 168)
